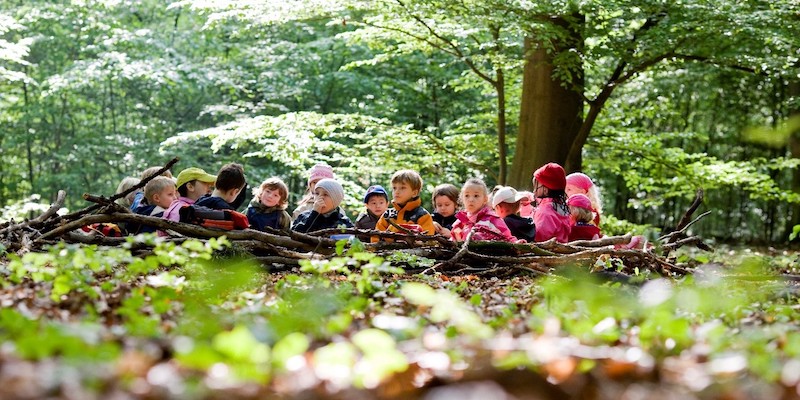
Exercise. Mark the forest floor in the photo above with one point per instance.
(87, 322)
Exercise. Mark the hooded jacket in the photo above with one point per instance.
(486, 224)
(549, 222)
(261, 216)
(411, 213)
(312, 221)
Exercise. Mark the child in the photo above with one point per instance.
(318, 172)
(551, 216)
(445, 205)
(138, 196)
(506, 203)
(125, 184)
(160, 193)
(377, 202)
(406, 206)
(192, 183)
(580, 208)
(526, 204)
(325, 212)
(230, 182)
(478, 217)
(580, 183)
(268, 207)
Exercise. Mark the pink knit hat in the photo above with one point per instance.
(580, 180)
(320, 171)
(552, 176)
(580, 201)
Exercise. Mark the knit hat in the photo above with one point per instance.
(194, 174)
(375, 190)
(320, 171)
(551, 176)
(580, 180)
(333, 188)
(580, 201)
(506, 194)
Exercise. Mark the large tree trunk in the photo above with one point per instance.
(793, 91)
(550, 114)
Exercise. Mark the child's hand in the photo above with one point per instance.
(456, 234)
(319, 204)
(445, 232)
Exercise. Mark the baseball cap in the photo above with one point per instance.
(506, 194)
(191, 174)
(375, 189)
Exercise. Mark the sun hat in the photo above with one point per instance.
(579, 200)
(580, 180)
(551, 176)
(194, 174)
(375, 190)
(320, 171)
(506, 194)
(333, 188)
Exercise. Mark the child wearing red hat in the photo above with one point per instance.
(551, 215)
(579, 183)
(580, 208)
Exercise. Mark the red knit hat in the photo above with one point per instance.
(551, 176)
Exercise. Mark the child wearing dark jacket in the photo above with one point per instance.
(506, 203)
(325, 213)
(159, 192)
(229, 184)
(376, 202)
(268, 207)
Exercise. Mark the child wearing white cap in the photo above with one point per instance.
(506, 203)
(325, 212)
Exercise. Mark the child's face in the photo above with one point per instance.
(323, 202)
(538, 189)
(572, 189)
(197, 189)
(377, 205)
(165, 197)
(402, 192)
(444, 206)
(270, 197)
(474, 198)
(312, 184)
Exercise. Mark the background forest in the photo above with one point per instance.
(658, 98)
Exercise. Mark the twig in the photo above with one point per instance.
(41, 218)
(461, 253)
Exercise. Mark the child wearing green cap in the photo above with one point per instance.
(192, 183)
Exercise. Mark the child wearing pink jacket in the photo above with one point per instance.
(551, 215)
(478, 217)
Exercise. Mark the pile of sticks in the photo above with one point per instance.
(280, 250)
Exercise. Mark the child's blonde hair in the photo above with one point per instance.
(476, 182)
(581, 214)
(409, 177)
(124, 185)
(157, 185)
(152, 171)
(274, 183)
(447, 190)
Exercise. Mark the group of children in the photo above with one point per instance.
(563, 207)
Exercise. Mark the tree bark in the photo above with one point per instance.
(793, 91)
(550, 113)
